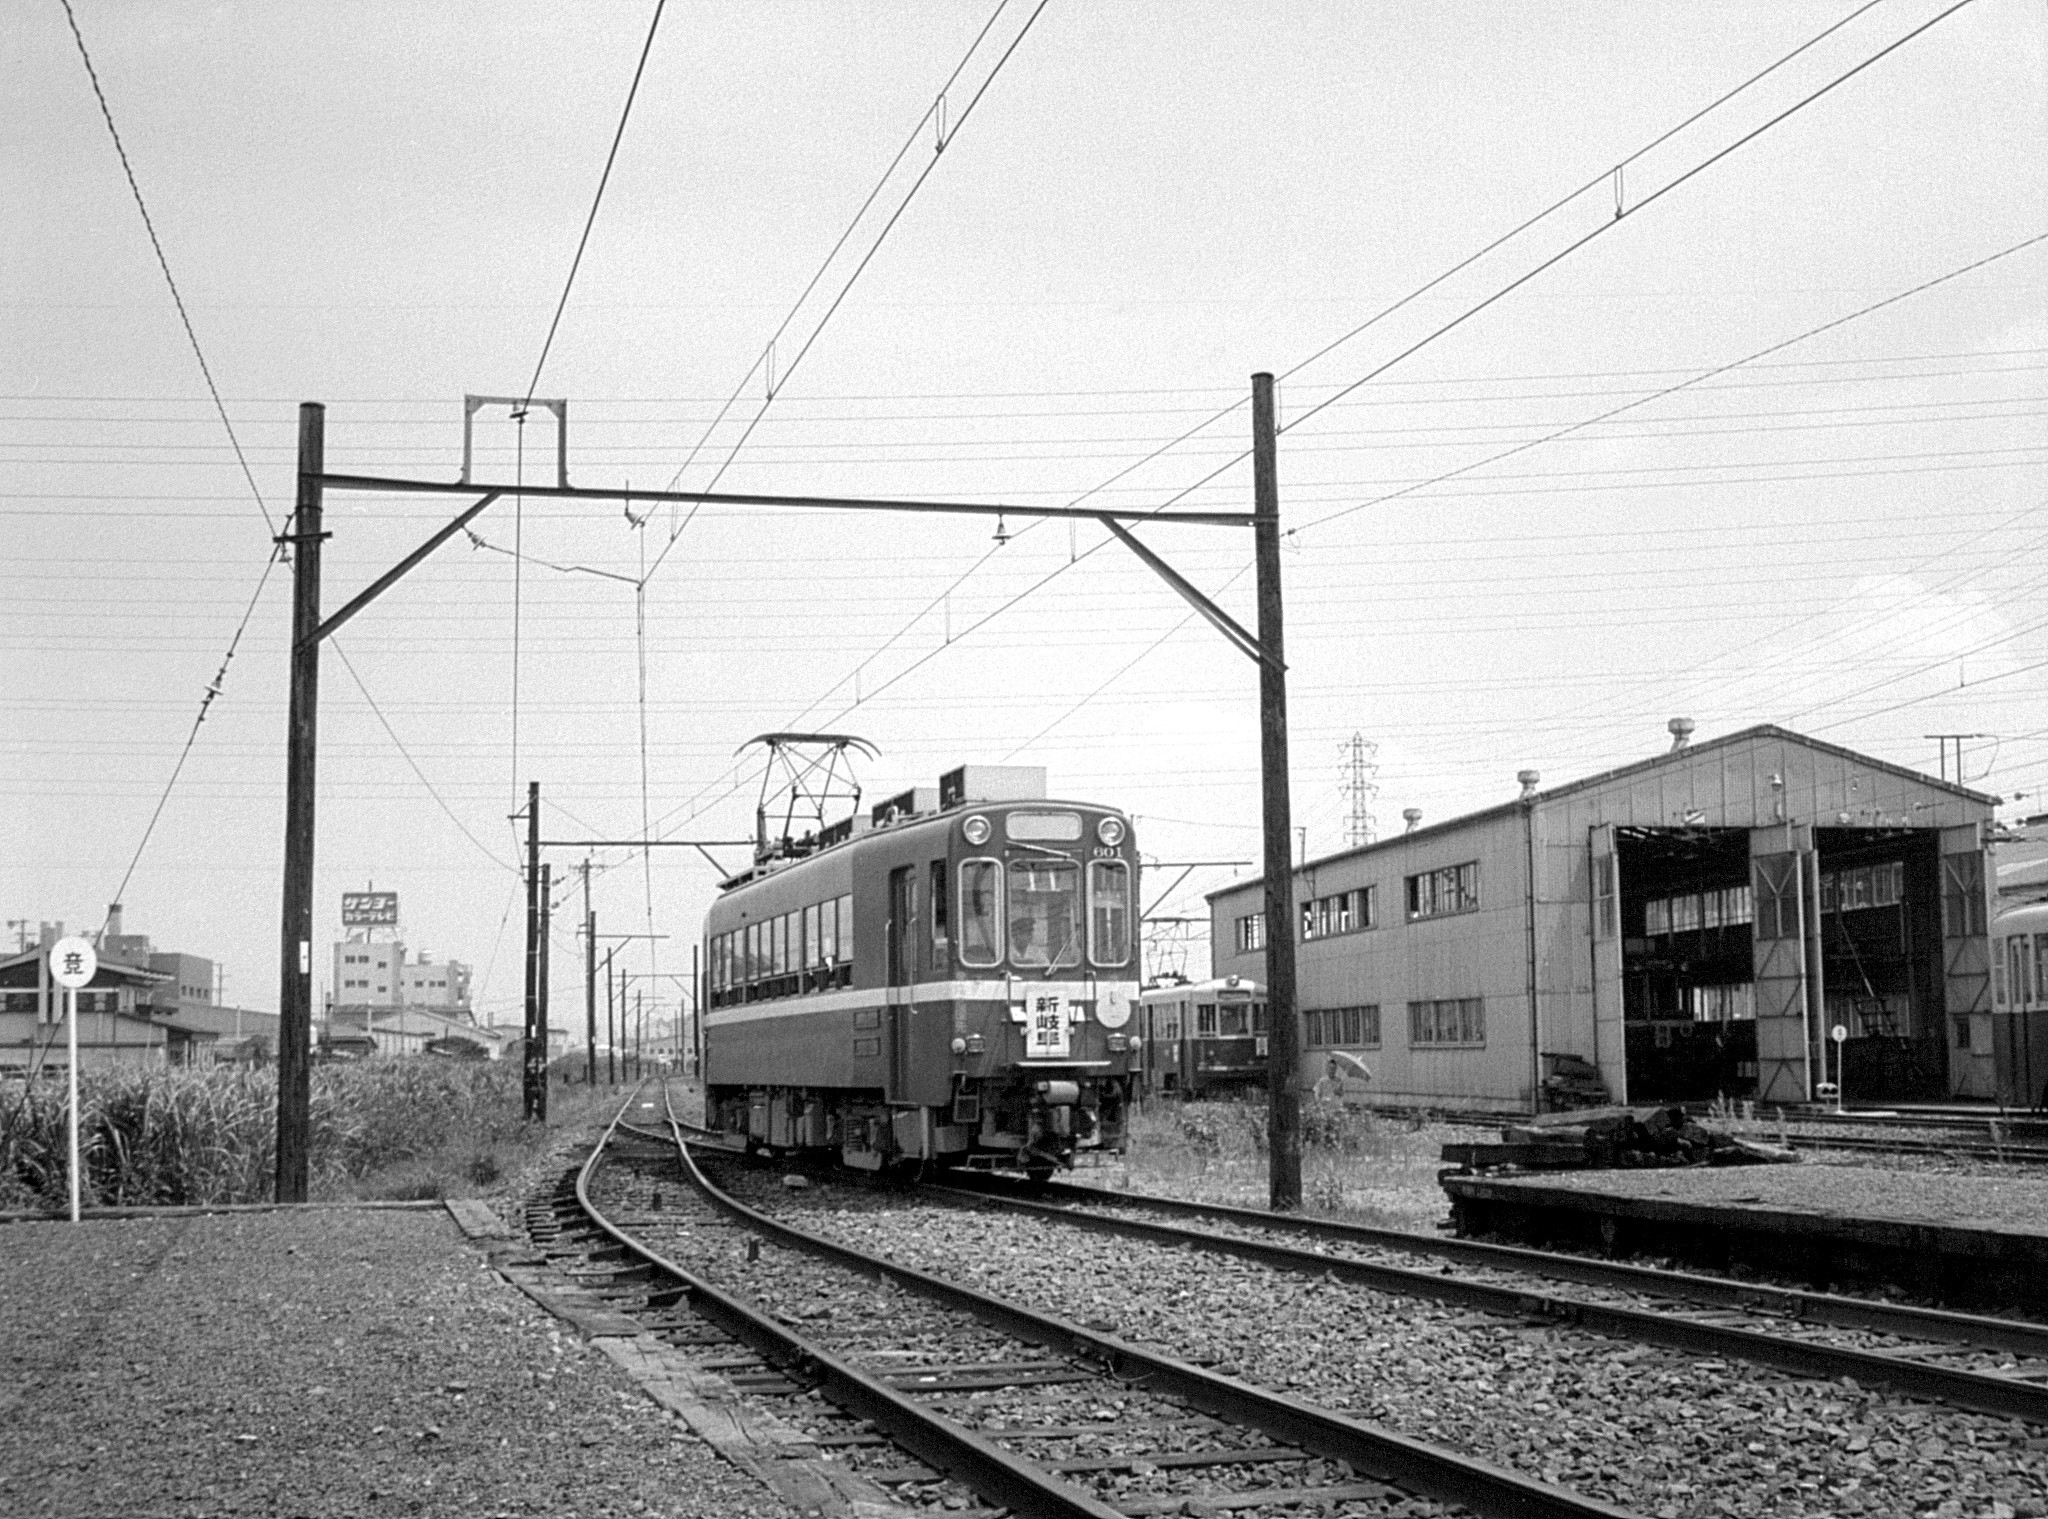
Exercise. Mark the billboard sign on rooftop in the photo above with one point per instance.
(365, 908)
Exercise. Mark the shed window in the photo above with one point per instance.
(1434, 893)
(1449, 1020)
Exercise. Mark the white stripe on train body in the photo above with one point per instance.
(955, 987)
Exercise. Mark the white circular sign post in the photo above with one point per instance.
(73, 963)
(1840, 1034)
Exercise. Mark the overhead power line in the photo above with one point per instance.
(1465, 263)
(935, 115)
(1720, 369)
(206, 702)
(597, 200)
(164, 263)
(399, 744)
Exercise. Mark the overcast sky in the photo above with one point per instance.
(376, 207)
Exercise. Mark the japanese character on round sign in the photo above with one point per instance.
(73, 961)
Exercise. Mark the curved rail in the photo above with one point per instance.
(946, 1446)
(1981, 1392)
(1422, 1469)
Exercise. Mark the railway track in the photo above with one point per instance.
(945, 1394)
(1981, 1363)
(2034, 1154)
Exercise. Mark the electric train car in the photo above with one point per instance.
(1203, 1038)
(950, 982)
(2019, 1014)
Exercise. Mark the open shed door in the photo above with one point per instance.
(1610, 1032)
(1783, 1066)
(1966, 964)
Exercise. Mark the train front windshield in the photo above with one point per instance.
(1045, 913)
(1234, 1018)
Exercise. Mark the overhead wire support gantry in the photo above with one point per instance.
(1265, 647)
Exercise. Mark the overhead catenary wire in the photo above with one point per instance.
(874, 247)
(163, 262)
(1522, 279)
(206, 701)
(1806, 336)
(399, 744)
(596, 201)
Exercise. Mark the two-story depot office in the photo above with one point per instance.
(1693, 925)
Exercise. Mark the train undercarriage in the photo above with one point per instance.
(1028, 1125)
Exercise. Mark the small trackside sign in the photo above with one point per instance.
(73, 962)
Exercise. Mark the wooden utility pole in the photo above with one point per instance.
(1283, 1024)
(611, 1025)
(547, 918)
(589, 980)
(295, 964)
(533, 1062)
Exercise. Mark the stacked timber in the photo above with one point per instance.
(1611, 1138)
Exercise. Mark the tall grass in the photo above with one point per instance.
(157, 1135)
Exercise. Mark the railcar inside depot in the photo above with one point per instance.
(1761, 917)
(946, 979)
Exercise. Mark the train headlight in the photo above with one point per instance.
(1110, 831)
(1137, 1044)
(959, 1045)
(976, 830)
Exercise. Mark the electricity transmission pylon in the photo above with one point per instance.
(1360, 772)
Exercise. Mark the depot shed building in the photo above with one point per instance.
(1691, 926)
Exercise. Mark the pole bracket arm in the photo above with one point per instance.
(391, 577)
(1219, 619)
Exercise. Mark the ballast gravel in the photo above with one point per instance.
(323, 1362)
(1659, 1433)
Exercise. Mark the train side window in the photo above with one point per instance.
(942, 944)
(809, 963)
(981, 912)
(843, 964)
(779, 951)
(1109, 912)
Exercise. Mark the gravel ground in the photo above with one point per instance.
(1657, 1432)
(2016, 1204)
(328, 1362)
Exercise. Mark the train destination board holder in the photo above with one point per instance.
(73, 963)
(1265, 647)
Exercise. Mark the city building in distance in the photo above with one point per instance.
(404, 1004)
